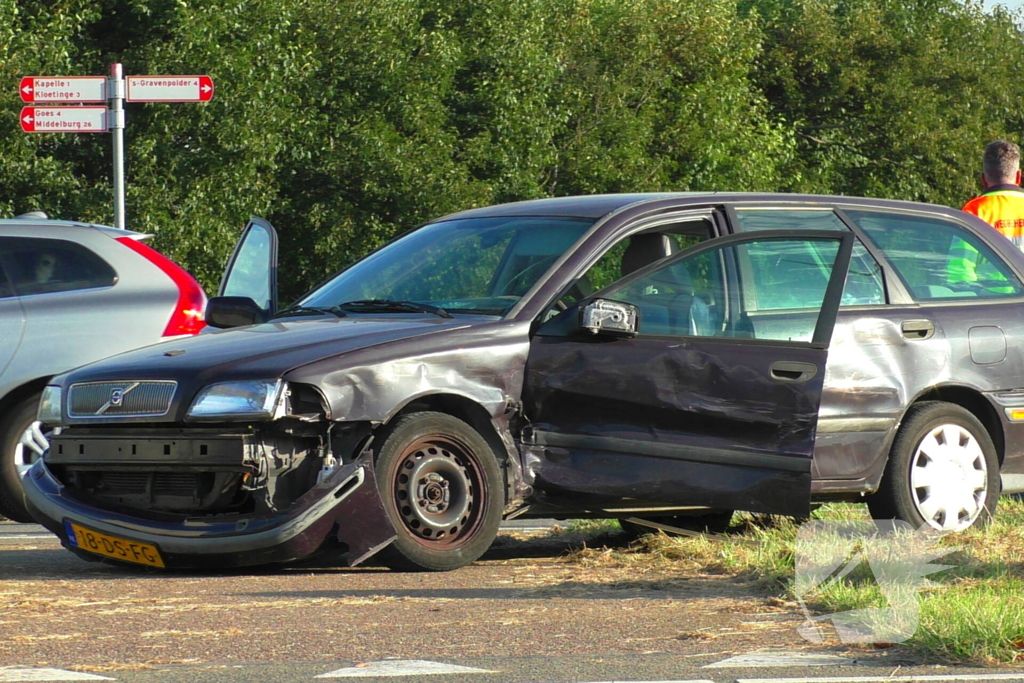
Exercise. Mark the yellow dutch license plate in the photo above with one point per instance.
(112, 546)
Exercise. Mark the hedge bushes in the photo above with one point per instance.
(347, 121)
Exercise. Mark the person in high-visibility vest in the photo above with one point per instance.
(1001, 205)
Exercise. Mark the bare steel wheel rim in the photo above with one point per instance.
(949, 478)
(30, 447)
(438, 491)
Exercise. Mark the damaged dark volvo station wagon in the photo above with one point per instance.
(660, 359)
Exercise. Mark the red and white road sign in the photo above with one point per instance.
(63, 89)
(169, 88)
(64, 119)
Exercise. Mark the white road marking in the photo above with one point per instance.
(48, 675)
(22, 537)
(402, 667)
(701, 680)
(762, 659)
(888, 679)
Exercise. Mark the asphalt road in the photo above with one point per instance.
(527, 612)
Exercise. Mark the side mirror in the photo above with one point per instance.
(611, 318)
(233, 311)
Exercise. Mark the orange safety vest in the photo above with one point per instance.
(1002, 207)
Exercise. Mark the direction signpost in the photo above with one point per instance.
(63, 89)
(64, 119)
(92, 119)
(169, 89)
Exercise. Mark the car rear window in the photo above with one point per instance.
(43, 266)
(938, 259)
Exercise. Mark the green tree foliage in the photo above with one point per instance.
(346, 122)
(890, 98)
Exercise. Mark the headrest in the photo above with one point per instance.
(644, 250)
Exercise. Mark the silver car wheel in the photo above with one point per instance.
(948, 478)
(34, 442)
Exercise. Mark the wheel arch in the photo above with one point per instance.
(973, 401)
(470, 412)
(21, 392)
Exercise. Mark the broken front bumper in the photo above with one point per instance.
(346, 504)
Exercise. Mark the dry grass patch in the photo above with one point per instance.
(973, 612)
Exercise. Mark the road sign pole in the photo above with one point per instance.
(116, 90)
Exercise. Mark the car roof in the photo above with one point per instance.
(595, 206)
(50, 228)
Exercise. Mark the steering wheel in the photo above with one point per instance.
(526, 271)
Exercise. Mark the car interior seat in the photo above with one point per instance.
(675, 310)
(581, 289)
(644, 250)
(699, 320)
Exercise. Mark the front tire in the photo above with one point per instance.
(442, 488)
(16, 456)
(943, 470)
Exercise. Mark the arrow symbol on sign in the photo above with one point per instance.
(28, 89)
(27, 119)
(206, 88)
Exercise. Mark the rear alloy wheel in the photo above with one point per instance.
(21, 444)
(442, 489)
(942, 470)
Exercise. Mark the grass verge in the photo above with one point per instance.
(972, 612)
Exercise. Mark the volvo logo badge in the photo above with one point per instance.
(116, 397)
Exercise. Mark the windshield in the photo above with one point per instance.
(474, 265)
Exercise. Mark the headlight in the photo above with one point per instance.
(49, 406)
(251, 399)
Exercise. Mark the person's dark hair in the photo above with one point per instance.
(1002, 161)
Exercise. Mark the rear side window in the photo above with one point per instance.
(753, 219)
(864, 282)
(43, 266)
(937, 259)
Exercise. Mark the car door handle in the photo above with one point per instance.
(917, 329)
(793, 371)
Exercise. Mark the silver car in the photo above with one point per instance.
(72, 293)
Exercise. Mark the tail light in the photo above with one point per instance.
(187, 317)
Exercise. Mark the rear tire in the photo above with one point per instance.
(942, 470)
(443, 490)
(15, 458)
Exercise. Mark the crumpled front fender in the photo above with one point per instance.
(346, 504)
(363, 524)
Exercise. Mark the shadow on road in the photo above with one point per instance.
(42, 564)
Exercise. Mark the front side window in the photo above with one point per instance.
(43, 266)
(864, 282)
(754, 290)
(633, 253)
(473, 265)
(938, 259)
